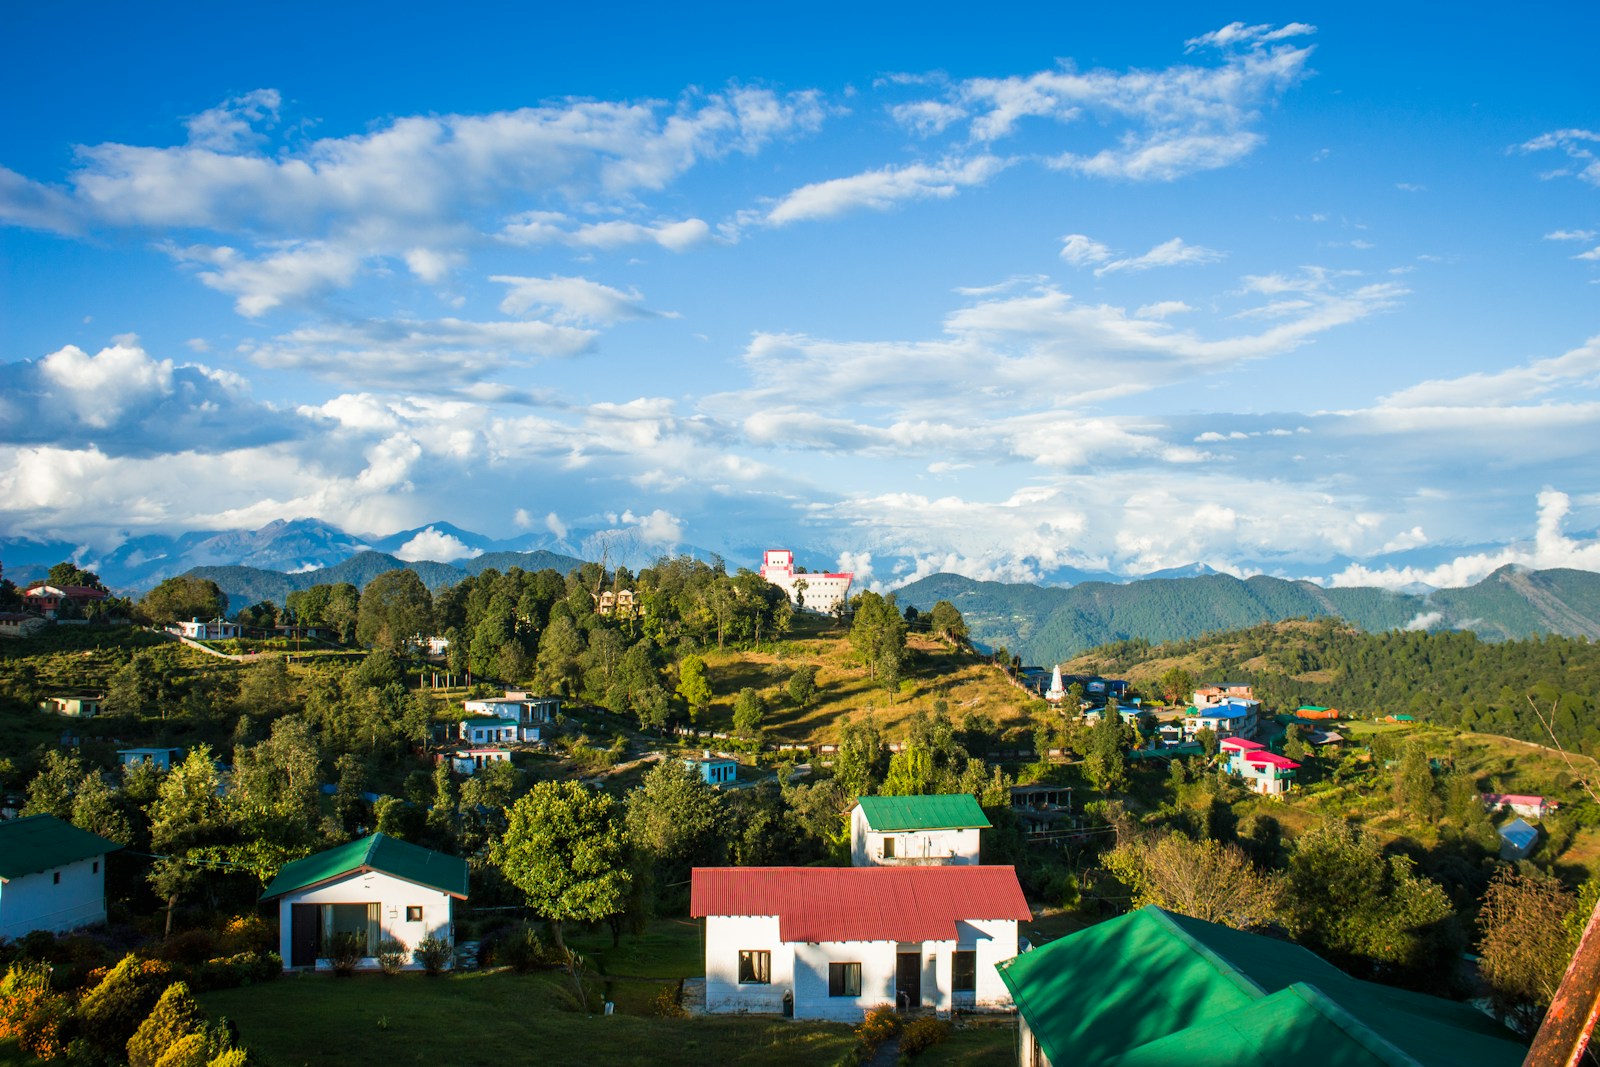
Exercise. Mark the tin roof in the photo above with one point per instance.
(958, 811)
(1271, 759)
(1152, 988)
(41, 842)
(1519, 833)
(380, 852)
(861, 903)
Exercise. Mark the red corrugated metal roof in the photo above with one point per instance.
(1272, 759)
(1241, 744)
(861, 903)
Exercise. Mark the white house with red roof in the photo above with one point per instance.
(1524, 804)
(835, 941)
(47, 599)
(818, 591)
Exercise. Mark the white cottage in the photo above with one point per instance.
(52, 876)
(916, 831)
(834, 941)
(379, 888)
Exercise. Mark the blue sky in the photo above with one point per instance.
(1313, 291)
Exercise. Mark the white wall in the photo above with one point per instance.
(726, 937)
(39, 902)
(811, 1000)
(954, 848)
(995, 941)
(393, 895)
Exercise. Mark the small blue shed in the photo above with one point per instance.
(1517, 840)
(714, 770)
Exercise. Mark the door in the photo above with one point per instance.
(305, 934)
(908, 980)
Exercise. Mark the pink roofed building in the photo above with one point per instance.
(1263, 770)
(819, 591)
(1524, 804)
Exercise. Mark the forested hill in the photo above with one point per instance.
(1046, 625)
(1454, 679)
(251, 585)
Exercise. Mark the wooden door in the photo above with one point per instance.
(908, 980)
(305, 934)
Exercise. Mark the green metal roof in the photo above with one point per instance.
(380, 852)
(43, 842)
(1152, 987)
(942, 812)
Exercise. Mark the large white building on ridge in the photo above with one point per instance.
(811, 591)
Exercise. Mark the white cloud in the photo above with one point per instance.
(435, 545)
(231, 126)
(1237, 33)
(554, 227)
(572, 301)
(657, 527)
(1162, 309)
(1424, 621)
(100, 387)
(1572, 235)
(858, 564)
(1577, 145)
(1408, 539)
(1173, 253)
(433, 266)
(1081, 250)
(884, 188)
(553, 523)
(293, 273)
(1551, 548)
(1577, 369)
(927, 117)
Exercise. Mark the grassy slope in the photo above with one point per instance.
(965, 681)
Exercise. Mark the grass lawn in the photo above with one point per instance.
(492, 1018)
(974, 1046)
(12, 1056)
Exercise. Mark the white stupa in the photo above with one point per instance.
(1057, 692)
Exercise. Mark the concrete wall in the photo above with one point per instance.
(40, 902)
(726, 937)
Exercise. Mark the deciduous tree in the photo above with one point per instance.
(564, 848)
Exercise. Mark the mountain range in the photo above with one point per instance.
(1045, 625)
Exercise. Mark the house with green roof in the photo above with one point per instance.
(916, 831)
(378, 888)
(52, 876)
(1152, 988)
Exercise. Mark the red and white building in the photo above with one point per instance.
(822, 592)
(833, 942)
(47, 599)
(1264, 771)
(1524, 804)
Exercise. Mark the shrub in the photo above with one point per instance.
(922, 1033)
(877, 1026)
(231, 972)
(346, 951)
(111, 1011)
(521, 950)
(175, 1015)
(433, 953)
(189, 1050)
(392, 956)
(668, 1003)
(39, 1018)
(190, 946)
(246, 933)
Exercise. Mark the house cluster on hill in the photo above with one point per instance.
(491, 726)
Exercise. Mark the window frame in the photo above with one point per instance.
(969, 958)
(888, 847)
(755, 966)
(842, 975)
(413, 913)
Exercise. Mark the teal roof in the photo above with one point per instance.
(484, 720)
(44, 842)
(959, 811)
(1152, 987)
(380, 852)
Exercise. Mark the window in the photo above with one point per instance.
(413, 913)
(755, 967)
(888, 848)
(96, 867)
(57, 878)
(844, 979)
(964, 972)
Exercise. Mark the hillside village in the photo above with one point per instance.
(684, 813)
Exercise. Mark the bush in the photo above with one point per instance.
(668, 1003)
(521, 950)
(345, 951)
(111, 1012)
(175, 1015)
(434, 954)
(191, 946)
(392, 956)
(877, 1026)
(923, 1033)
(39, 1018)
(232, 972)
(246, 933)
